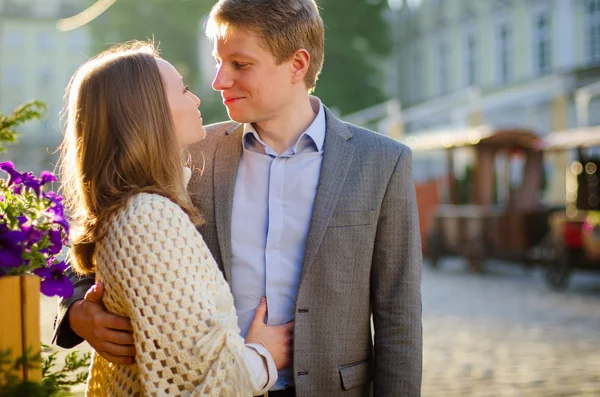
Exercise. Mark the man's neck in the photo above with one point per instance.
(283, 131)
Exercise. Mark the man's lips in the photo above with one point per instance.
(230, 100)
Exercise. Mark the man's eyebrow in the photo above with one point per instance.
(238, 54)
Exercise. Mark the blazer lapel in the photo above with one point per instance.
(227, 160)
(337, 157)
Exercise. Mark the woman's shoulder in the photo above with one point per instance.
(151, 207)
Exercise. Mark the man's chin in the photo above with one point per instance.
(239, 117)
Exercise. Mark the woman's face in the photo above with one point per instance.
(183, 104)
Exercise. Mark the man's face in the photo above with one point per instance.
(253, 87)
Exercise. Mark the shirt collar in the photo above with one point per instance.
(315, 131)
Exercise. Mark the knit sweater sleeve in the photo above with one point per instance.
(185, 329)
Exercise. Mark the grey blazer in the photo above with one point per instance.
(363, 257)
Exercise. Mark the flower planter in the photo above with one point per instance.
(20, 321)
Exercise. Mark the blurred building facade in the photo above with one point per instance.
(36, 62)
(506, 63)
(502, 62)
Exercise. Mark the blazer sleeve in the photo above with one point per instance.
(396, 288)
(184, 324)
(63, 334)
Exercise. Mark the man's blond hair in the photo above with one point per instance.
(285, 26)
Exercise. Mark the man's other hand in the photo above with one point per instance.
(277, 339)
(109, 335)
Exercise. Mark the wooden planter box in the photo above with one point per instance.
(20, 321)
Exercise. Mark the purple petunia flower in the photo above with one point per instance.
(10, 257)
(55, 198)
(31, 181)
(14, 175)
(11, 248)
(58, 217)
(54, 280)
(10, 238)
(31, 234)
(30, 229)
(56, 241)
(46, 177)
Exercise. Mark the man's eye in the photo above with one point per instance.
(240, 65)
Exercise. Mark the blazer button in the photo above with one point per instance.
(302, 310)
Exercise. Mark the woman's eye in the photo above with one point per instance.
(186, 88)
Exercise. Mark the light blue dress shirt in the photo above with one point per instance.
(272, 208)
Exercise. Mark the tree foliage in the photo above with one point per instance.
(357, 39)
(55, 383)
(175, 24)
(33, 110)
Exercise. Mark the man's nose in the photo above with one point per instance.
(222, 80)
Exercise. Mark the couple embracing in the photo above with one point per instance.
(255, 267)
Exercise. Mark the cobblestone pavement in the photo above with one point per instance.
(503, 333)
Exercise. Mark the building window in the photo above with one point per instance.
(45, 42)
(14, 40)
(443, 67)
(470, 59)
(542, 38)
(78, 41)
(45, 76)
(503, 53)
(13, 77)
(592, 11)
(416, 66)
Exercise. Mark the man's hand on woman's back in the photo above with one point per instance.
(110, 335)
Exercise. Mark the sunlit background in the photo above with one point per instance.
(448, 78)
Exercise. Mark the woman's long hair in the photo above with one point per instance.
(119, 141)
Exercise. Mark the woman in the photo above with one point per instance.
(129, 119)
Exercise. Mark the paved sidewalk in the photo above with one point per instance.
(505, 334)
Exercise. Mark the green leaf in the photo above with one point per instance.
(32, 110)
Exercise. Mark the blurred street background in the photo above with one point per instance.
(499, 101)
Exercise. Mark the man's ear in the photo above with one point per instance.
(299, 65)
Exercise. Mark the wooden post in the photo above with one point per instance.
(20, 321)
(10, 313)
(32, 339)
(451, 178)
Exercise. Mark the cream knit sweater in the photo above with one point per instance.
(159, 273)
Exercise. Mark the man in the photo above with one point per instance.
(315, 214)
